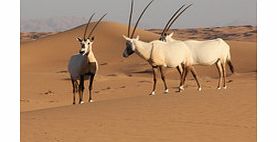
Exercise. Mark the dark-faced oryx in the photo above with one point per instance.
(84, 65)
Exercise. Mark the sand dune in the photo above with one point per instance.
(123, 111)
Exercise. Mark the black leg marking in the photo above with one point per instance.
(154, 80)
(81, 89)
(179, 70)
(195, 77)
(223, 65)
(91, 87)
(183, 78)
(74, 89)
(163, 78)
(219, 69)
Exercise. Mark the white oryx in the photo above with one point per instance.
(83, 66)
(159, 54)
(206, 52)
(209, 52)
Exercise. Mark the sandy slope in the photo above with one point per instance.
(123, 111)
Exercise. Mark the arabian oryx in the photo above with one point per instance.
(83, 66)
(159, 54)
(209, 52)
(206, 52)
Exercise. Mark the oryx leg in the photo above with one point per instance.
(91, 87)
(179, 68)
(74, 89)
(163, 78)
(154, 80)
(195, 77)
(81, 89)
(224, 74)
(220, 72)
(183, 78)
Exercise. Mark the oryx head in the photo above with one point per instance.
(85, 45)
(130, 48)
(86, 42)
(173, 18)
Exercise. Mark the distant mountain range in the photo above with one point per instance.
(51, 24)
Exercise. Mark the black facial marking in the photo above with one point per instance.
(83, 46)
(129, 48)
(81, 52)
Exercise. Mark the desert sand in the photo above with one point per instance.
(123, 110)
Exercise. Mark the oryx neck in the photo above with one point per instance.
(143, 49)
(91, 57)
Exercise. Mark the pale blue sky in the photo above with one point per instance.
(203, 13)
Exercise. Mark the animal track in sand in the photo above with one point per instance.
(112, 75)
(144, 81)
(229, 81)
(103, 64)
(107, 88)
(49, 92)
(63, 71)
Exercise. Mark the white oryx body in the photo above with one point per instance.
(171, 54)
(209, 52)
(161, 54)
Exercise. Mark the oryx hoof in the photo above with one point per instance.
(152, 93)
(166, 91)
(225, 87)
(218, 88)
(81, 102)
(73, 103)
(91, 101)
(199, 89)
(181, 88)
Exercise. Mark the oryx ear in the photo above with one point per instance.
(171, 34)
(126, 38)
(92, 38)
(137, 38)
(79, 39)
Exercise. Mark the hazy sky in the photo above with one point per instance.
(203, 13)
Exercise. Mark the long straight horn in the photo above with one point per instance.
(88, 24)
(171, 19)
(130, 17)
(177, 17)
(140, 18)
(96, 24)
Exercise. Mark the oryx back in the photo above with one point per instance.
(170, 54)
(208, 52)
